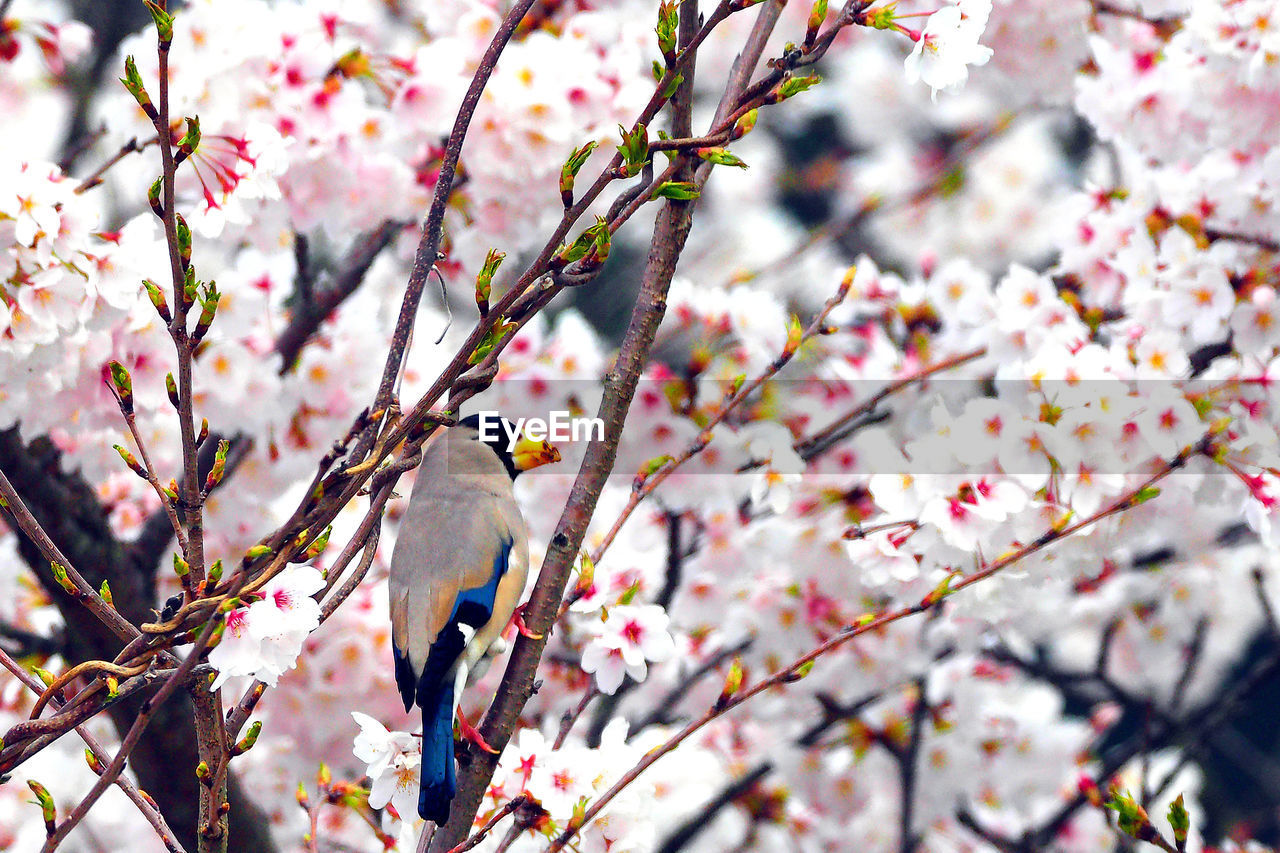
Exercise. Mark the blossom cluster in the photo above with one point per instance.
(557, 779)
(263, 639)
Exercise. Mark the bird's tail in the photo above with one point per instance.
(439, 783)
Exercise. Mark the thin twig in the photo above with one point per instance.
(941, 174)
(237, 716)
(131, 739)
(50, 693)
(429, 246)
(840, 429)
(85, 593)
(689, 829)
(478, 836)
(95, 178)
(370, 546)
(315, 306)
(29, 642)
(1103, 7)
(167, 507)
(144, 803)
(909, 767)
(646, 487)
(571, 717)
(1264, 601)
(660, 715)
(27, 738)
(1270, 244)
(1194, 653)
(189, 502)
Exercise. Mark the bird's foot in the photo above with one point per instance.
(472, 735)
(517, 617)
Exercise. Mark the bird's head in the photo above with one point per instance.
(517, 451)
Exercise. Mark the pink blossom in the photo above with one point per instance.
(621, 645)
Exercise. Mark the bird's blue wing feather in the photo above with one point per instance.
(434, 693)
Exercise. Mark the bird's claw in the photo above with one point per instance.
(472, 735)
(517, 617)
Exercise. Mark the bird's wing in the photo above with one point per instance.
(510, 586)
(461, 559)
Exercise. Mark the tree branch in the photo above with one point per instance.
(315, 305)
(144, 803)
(75, 525)
(670, 232)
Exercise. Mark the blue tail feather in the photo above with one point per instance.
(433, 691)
(439, 783)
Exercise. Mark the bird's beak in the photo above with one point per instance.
(530, 454)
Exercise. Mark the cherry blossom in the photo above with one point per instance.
(621, 644)
(392, 760)
(264, 639)
(948, 45)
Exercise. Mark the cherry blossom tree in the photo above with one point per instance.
(935, 346)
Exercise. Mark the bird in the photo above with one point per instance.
(457, 571)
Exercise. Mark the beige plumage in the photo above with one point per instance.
(463, 484)
(458, 569)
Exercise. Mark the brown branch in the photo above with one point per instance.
(166, 506)
(840, 429)
(510, 806)
(571, 717)
(84, 592)
(515, 300)
(189, 502)
(429, 245)
(314, 307)
(143, 802)
(51, 693)
(28, 642)
(369, 543)
(95, 178)
(909, 770)
(660, 715)
(210, 734)
(1166, 23)
(114, 769)
(27, 738)
(834, 230)
(237, 716)
(689, 829)
(670, 232)
(1268, 243)
(646, 487)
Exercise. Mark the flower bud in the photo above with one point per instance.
(122, 385)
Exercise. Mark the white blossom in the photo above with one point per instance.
(264, 639)
(948, 45)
